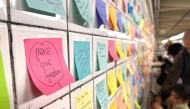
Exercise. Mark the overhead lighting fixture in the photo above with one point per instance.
(173, 38)
(179, 36)
(164, 41)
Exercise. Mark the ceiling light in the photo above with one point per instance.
(179, 36)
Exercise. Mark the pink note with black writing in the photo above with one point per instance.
(46, 64)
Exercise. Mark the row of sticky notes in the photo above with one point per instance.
(115, 21)
(122, 49)
(45, 56)
(117, 50)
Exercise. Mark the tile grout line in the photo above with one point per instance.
(10, 38)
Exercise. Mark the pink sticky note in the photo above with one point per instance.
(112, 50)
(46, 64)
(133, 66)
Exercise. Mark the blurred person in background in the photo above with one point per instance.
(173, 50)
(180, 68)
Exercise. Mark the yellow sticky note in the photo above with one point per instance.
(128, 88)
(126, 99)
(113, 105)
(84, 99)
(120, 77)
(129, 27)
(141, 25)
(128, 104)
(124, 92)
(111, 83)
(137, 104)
(120, 51)
(129, 68)
(113, 17)
(137, 47)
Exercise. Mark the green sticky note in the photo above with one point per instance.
(102, 52)
(124, 72)
(52, 6)
(124, 47)
(82, 58)
(4, 97)
(102, 94)
(124, 24)
(84, 9)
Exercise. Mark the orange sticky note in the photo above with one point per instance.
(135, 91)
(111, 83)
(129, 49)
(112, 18)
(120, 77)
(113, 105)
(120, 104)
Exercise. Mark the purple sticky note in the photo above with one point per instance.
(119, 22)
(141, 79)
(134, 80)
(101, 8)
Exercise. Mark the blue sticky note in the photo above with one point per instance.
(51, 6)
(124, 47)
(84, 9)
(129, 8)
(101, 9)
(124, 71)
(82, 58)
(119, 22)
(102, 94)
(102, 52)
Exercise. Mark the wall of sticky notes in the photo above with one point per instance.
(74, 54)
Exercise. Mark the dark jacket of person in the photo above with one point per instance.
(175, 73)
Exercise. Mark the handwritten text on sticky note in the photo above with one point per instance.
(102, 94)
(112, 83)
(52, 6)
(84, 9)
(82, 58)
(102, 55)
(46, 65)
(84, 99)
